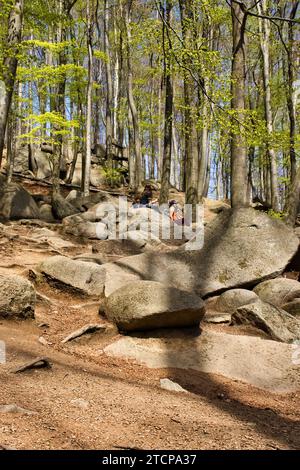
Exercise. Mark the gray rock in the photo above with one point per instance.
(92, 258)
(62, 208)
(171, 386)
(260, 362)
(241, 248)
(219, 309)
(87, 229)
(45, 235)
(46, 213)
(277, 323)
(43, 164)
(278, 291)
(87, 278)
(145, 305)
(97, 178)
(142, 240)
(17, 296)
(293, 308)
(74, 194)
(232, 299)
(16, 203)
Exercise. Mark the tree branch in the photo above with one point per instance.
(248, 11)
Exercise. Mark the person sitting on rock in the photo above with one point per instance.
(145, 199)
(175, 212)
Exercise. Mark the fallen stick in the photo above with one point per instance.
(83, 331)
(39, 363)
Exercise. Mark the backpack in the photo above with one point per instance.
(177, 214)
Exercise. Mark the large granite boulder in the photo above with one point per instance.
(16, 203)
(219, 309)
(17, 297)
(87, 278)
(144, 305)
(278, 291)
(241, 248)
(277, 323)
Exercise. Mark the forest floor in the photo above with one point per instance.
(88, 400)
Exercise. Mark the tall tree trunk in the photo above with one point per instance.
(238, 77)
(190, 115)
(109, 90)
(264, 27)
(132, 104)
(291, 102)
(167, 155)
(203, 151)
(10, 63)
(292, 204)
(88, 137)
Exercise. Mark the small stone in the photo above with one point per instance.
(171, 386)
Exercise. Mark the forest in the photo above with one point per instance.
(200, 95)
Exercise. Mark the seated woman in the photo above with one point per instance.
(146, 198)
(175, 212)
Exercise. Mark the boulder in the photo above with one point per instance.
(17, 297)
(278, 291)
(99, 259)
(241, 248)
(219, 309)
(97, 178)
(50, 237)
(260, 362)
(74, 194)
(293, 308)
(62, 208)
(83, 203)
(87, 229)
(142, 240)
(232, 299)
(16, 203)
(145, 305)
(21, 159)
(87, 278)
(277, 323)
(46, 213)
(43, 164)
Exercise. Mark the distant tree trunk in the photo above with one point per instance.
(203, 151)
(132, 104)
(167, 155)
(207, 178)
(159, 146)
(10, 63)
(88, 138)
(190, 115)
(175, 158)
(265, 31)
(109, 91)
(291, 67)
(238, 76)
(292, 203)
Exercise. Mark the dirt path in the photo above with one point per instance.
(91, 401)
(105, 403)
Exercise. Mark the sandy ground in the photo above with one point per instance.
(88, 400)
